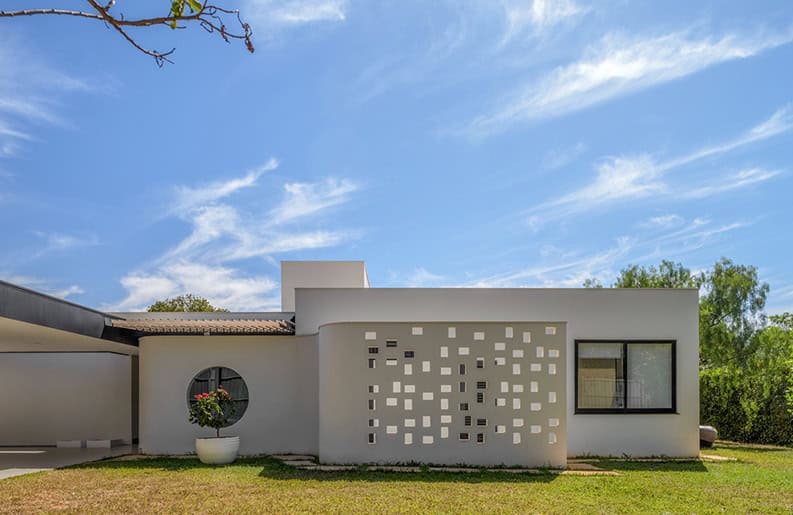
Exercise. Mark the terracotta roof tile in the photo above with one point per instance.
(284, 327)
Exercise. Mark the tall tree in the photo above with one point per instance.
(180, 13)
(667, 275)
(187, 302)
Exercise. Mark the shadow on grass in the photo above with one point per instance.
(653, 466)
(275, 470)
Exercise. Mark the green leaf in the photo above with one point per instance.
(195, 5)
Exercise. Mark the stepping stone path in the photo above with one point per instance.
(575, 467)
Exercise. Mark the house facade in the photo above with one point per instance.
(356, 374)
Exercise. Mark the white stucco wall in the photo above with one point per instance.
(279, 371)
(589, 313)
(319, 274)
(64, 396)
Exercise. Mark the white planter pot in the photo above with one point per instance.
(217, 451)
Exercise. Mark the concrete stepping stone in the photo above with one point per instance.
(293, 457)
(394, 468)
(299, 463)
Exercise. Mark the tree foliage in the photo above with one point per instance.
(187, 302)
(746, 364)
(180, 14)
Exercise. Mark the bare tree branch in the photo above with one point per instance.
(209, 17)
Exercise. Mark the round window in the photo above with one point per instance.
(210, 379)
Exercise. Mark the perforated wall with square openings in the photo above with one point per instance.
(504, 404)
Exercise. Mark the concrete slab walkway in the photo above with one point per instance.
(17, 461)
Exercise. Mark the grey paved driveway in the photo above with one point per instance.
(16, 461)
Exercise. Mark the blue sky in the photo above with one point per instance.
(448, 143)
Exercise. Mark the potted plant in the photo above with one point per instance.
(213, 409)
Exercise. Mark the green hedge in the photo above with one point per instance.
(747, 405)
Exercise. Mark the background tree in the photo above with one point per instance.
(180, 13)
(746, 364)
(187, 302)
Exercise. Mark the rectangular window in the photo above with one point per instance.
(480, 397)
(409, 354)
(464, 437)
(462, 369)
(467, 420)
(462, 386)
(372, 438)
(480, 362)
(371, 404)
(481, 385)
(373, 350)
(463, 406)
(480, 438)
(390, 343)
(482, 422)
(372, 363)
(625, 377)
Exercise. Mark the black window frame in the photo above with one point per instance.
(625, 410)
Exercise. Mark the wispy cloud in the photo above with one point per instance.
(662, 222)
(628, 177)
(187, 198)
(223, 234)
(55, 242)
(572, 269)
(43, 285)
(274, 14)
(735, 181)
(537, 16)
(616, 66)
(561, 157)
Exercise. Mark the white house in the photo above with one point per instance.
(357, 374)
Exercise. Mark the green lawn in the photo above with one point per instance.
(760, 481)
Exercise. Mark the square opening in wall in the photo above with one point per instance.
(517, 422)
(507, 332)
(500, 429)
(391, 362)
(517, 353)
(481, 422)
(409, 354)
(551, 369)
(371, 404)
(444, 352)
(408, 438)
(553, 353)
(501, 402)
(444, 432)
(372, 363)
(462, 369)
(526, 336)
(427, 396)
(417, 331)
(550, 330)
(517, 388)
(372, 438)
(391, 430)
(499, 346)
(463, 351)
(390, 343)
(480, 438)
(480, 397)
(446, 419)
(446, 388)
(500, 362)
(534, 387)
(481, 385)
(426, 421)
(408, 369)
(553, 422)
(463, 406)
(373, 350)
(467, 420)
(410, 422)
(374, 388)
(410, 388)
(552, 397)
(464, 437)
(535, 429)
(479, 335)
(444, 404)
(369, 335)
(480, 362)
(373, 422)
(516, 438)
(397, 387)
(551, 438)
(391, 401)
(462, 386)
(540, 352)
(425, 366)
(535, 406)
(452, 332)
(408, 404)
(446, 371)
(516, 369)
(427, 439)
(536, 367)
